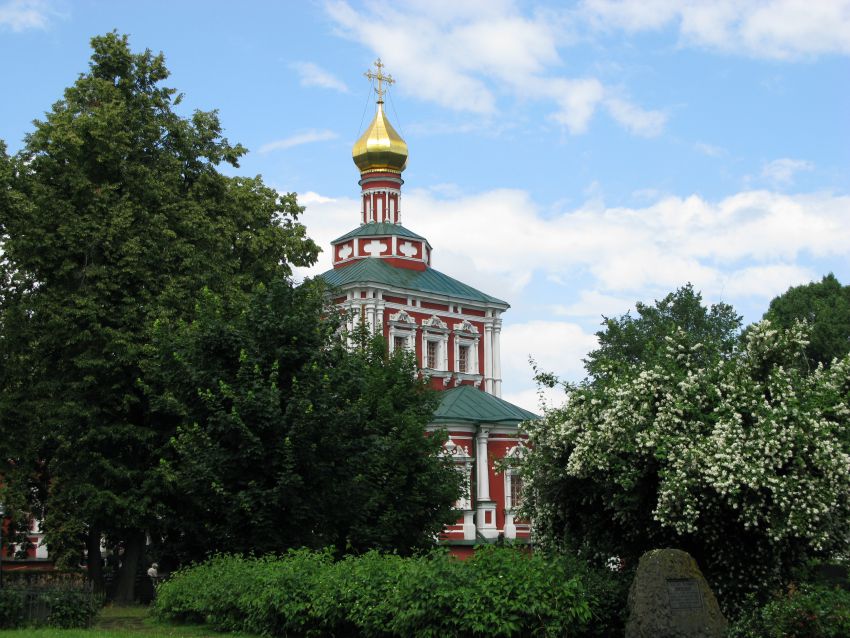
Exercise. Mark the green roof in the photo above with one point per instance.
(377, 271)
(468, 404)
(379, 228)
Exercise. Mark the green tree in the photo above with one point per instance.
(120, 217)
(739, 457)
(627, 341)
(287, 436)
(825, 305)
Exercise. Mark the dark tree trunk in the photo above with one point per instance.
(95, 560)
(125, 588)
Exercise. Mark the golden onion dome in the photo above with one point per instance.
(380, 148)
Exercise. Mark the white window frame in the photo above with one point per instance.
(459, 454)
(466, 334)
(436, 331)
(402, 325)
(516, 453)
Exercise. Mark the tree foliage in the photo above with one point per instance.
(288, 436)
(825, 305)
(738, 456)
(115, 215)
(628, 341)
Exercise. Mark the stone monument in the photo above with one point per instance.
(670, 598)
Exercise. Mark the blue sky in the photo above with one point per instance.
(568, 157)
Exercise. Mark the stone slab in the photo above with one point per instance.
(670, 598)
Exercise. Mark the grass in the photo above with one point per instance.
(123, 622)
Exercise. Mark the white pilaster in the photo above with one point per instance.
(379, 305)
(485, 509)
(481, 465)
(497, 358)
(488, 355)
(510, 528)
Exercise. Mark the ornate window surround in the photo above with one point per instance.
(466, 334)
(403, 326)
(516, 453)
(459, 454)
(436, 331)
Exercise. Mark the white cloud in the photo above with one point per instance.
(635, 119)
(781, 172)
(313, 75)
(577, 101)
(768, 280)
(20, 15)
(536, 400)
(709, 149)
(592, 303)
(555, 346)
(467, 55)
(306, 137)
(498, 240)
(762, 28)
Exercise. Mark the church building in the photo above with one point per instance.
(382, 276)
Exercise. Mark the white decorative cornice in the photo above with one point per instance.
(402, 317)
(466, 326)
(435, 322)
(455, 451)
(517, 452)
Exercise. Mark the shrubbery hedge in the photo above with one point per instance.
(498, 592)
(64, 608)
(813, 611)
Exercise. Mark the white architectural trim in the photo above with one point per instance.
(403, 326)
(488, 356)
(401, 317)
(466, 335)
(434, 322)
(465, 326)
(512, 474)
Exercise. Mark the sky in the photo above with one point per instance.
(571, 158)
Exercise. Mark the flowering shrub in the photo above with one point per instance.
(741, 458)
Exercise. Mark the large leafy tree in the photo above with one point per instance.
(825, 305)
(115, 215)
(739, 456)
(627, 341)
(289, 434)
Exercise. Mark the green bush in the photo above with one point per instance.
(11, 608)
(61, 607)
(70, 609)
(497, 592)
(809, 612)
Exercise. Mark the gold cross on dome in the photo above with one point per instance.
(381, 78)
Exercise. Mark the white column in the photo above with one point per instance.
(481, 465)
(485, 509)
(468, 525)
(497, 358)
(370, 311)
(380, 316)
(488, 356)
(510, 527)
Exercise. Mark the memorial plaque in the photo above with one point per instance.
(683, 593)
